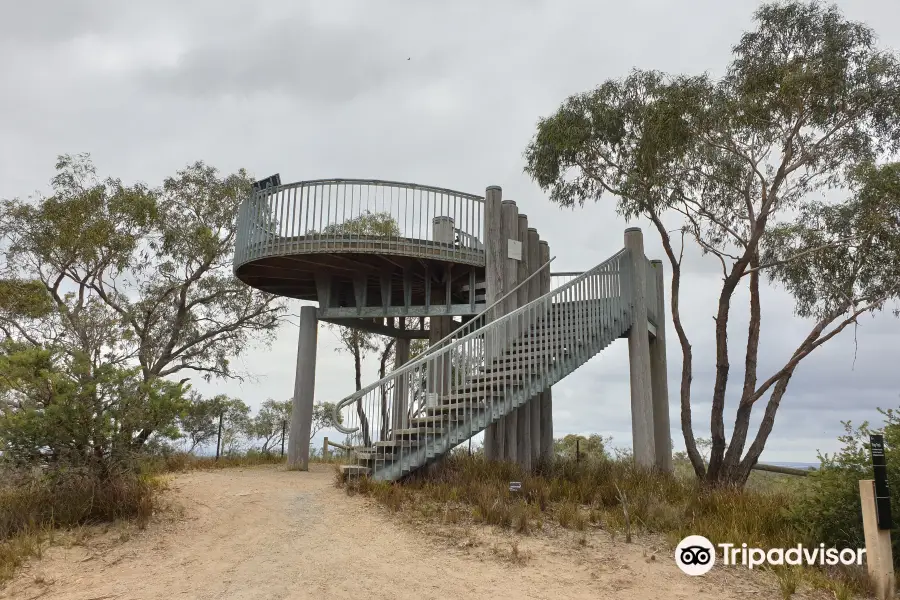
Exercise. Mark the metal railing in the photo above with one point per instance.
(355, 215)
(491, 312)
(561, 278)
(440, 399)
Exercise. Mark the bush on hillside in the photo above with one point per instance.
(829, 510)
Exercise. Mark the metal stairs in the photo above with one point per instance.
(424, 409)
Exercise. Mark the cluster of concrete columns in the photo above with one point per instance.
(514, 251)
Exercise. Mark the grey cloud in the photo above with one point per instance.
(294, 58)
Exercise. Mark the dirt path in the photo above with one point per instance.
(266, 533)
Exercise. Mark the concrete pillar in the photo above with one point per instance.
(546, 396)
(523, 413)
(534, 292)
(509, 232)
(659, 383)
(494, 254)
(642, 426)
(304, 389)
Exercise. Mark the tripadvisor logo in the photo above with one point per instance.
(696, 555)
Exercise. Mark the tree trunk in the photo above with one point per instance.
(687, 355)
(382, 371)
(363, 421)
(745, 407)
(765, 428)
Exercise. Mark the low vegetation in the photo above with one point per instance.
(599, 492)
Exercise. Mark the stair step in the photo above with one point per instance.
(526, 356)
(455, 407)
(534, 347)
(539, 344)
(490, 375)
(417, 431)
(397, 444)
(354, 470)
(470, 385)
(464, 394)
(374, 456)
(427, 420)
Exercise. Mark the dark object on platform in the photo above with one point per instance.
(270, 181)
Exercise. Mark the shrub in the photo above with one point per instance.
(829, 511)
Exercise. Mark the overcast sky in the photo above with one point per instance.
(437, 93)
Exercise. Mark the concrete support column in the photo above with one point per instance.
(546, 409)
(642, 425)
(534, 292)
(509, 232)
(494, 253)
(659, 383)
(304, 390)
(523, 413)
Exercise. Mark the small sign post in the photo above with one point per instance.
(515, 486)
(882, 493)
(875, 499)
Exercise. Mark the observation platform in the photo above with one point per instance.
(370, 252)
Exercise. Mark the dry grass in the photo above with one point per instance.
(34, 503)
(590, 495)
(182, 461)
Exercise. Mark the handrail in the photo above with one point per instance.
(328, 215)
(435, 346)
(378, 182)
(428, 355)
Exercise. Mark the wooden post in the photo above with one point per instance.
(523, 413)
(219, 437)
(879, 557)
(509, 231)
(494, 254)
(662, 432)
(440, 327)
(546, 396)
(642, 427)
(534, 292)
(325, 449)
(283, 433)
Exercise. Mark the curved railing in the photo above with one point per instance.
(356, 215)
(577, 309)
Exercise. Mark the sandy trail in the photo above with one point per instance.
(267, 533)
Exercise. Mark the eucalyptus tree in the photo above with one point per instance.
(808, 103)
(108, 275)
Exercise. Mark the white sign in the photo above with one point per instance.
(515, 486)
(514, 249)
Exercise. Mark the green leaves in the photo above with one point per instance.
(837, 256)
(127, 286)
(808, 103)
(53, 411)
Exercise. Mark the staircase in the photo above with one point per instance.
(422, 410)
